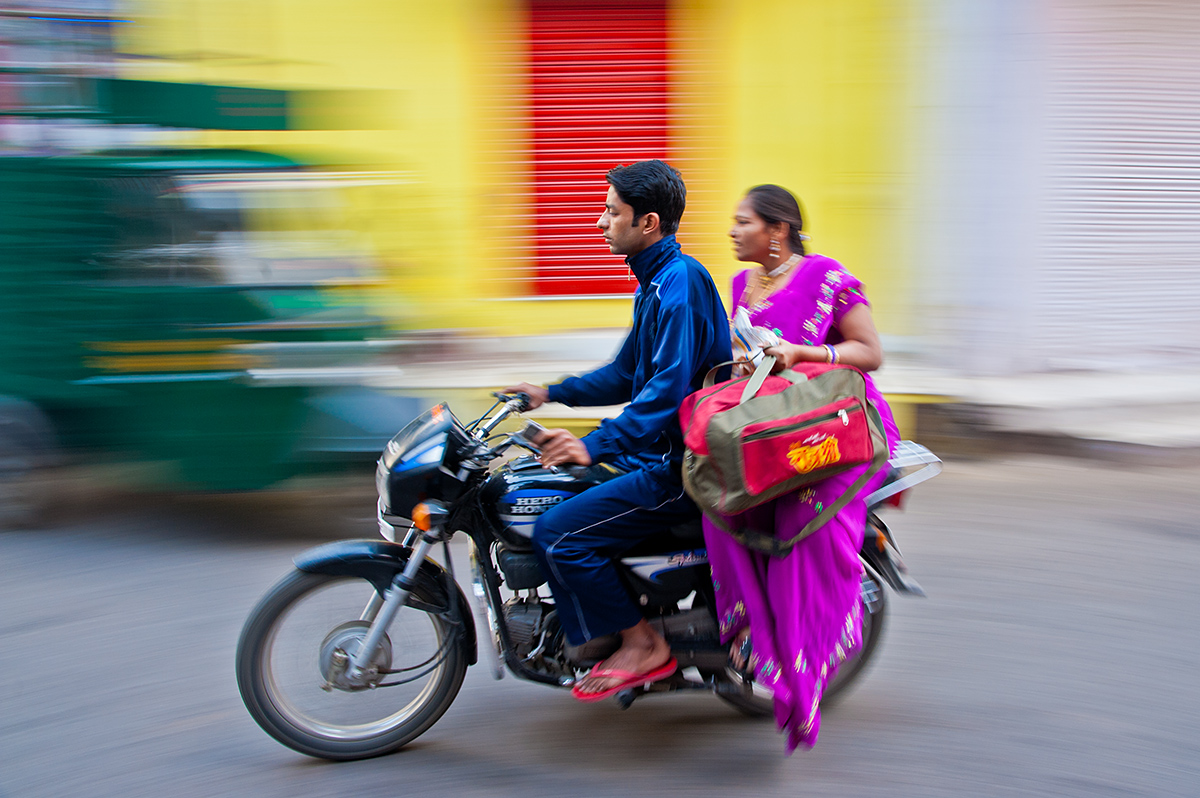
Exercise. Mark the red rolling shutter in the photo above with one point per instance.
(599, 98)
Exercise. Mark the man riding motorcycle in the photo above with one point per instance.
(679, 332)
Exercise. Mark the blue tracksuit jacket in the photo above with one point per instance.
(679, 332)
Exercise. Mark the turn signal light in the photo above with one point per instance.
(421, 517)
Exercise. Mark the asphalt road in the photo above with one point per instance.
(1056, 654)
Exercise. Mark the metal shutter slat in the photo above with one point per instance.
(599, 97)
(1120, 281)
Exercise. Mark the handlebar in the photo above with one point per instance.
(528, 435)
(521, 400)
(507, 404)
(513, 403)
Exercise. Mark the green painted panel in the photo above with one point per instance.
(192, 105)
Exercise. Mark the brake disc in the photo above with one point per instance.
(337, 648)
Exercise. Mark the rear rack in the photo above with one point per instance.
(908, 456)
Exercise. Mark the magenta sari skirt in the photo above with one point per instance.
(803, 609)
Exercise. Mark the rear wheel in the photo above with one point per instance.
(874, 616)
(288, 669)
(755, 700)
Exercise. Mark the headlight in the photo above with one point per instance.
(387, 530)
(381, 482)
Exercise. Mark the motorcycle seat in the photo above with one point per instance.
(688, 535)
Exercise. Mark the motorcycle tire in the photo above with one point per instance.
(282, 669)
(755, 700)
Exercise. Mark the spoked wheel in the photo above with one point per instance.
(755, 700)
(874, 615)
(291, 662)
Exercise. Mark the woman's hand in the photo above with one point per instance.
(787, 355)
(860, 346)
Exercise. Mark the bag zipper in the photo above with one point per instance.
(843, 414)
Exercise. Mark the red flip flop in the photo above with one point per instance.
(628, 679)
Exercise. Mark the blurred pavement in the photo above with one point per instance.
(1138, 411)
(1055, 655)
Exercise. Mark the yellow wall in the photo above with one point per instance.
(447, 78)
(804, 93)
(811, 95)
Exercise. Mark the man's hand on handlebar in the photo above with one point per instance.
(538, 395)
(560, 447)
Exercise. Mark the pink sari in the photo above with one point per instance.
(803, 610)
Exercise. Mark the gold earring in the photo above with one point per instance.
(774, 248)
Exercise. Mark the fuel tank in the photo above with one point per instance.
(523, 489)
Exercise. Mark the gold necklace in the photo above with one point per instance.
(766, 281)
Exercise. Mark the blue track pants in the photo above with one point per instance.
(575, 542)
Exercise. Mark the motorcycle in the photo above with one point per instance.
(364, 645)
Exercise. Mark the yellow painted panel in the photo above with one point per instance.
(811, 95)
(808, 94)
(451, 211)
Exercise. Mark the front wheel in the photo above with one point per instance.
(287, 671)
(755, 700)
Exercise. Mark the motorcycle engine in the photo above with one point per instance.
(536, 635)
(526, 622)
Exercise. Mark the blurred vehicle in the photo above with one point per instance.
(364, 645)
(193, 309)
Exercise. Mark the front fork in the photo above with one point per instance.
(488, 615)
(380, 612)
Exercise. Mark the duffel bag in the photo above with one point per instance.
(752, 439)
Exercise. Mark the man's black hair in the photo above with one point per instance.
(651, 187)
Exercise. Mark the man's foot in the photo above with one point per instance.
(642, 651)
(623, 680)
(593, 651)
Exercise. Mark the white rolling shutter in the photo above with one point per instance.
(1119, 281)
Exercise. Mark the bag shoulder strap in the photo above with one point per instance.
(769, 544)
(758, 378)
(710, 379)
(782, 547)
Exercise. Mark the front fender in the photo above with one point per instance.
(378, 561)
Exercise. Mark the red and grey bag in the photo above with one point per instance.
(752, 439)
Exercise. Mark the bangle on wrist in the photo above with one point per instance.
(831, 354)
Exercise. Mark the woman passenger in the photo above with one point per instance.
(792, 621)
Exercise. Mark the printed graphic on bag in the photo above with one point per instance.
(777, 450)
(805, 458)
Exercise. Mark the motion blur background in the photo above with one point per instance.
(242, 242)
(1016, 183)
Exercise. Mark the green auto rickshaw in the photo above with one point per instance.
(191, 309)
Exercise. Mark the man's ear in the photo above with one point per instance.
(650, 223)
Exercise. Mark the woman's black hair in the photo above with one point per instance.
(775, 204)
(651, 187)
